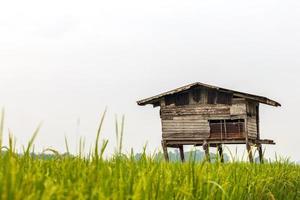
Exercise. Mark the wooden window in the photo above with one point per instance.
(182, 99)
(224, 98)
(227, 128)
(235, 127)
(217, 129)
(196, 94)
(211, 96)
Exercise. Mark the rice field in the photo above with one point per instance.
(63, 176)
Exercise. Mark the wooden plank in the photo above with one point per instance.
(257, 121)
(185, 135)
(220, 151)
(260, 153)
(195, 110)
(204, 111)
(252, 127)
(187, 126)
(249, 150)
(181, 153)
(213, 141)
(185, 120)
(165, 150)
(206, 149)
(191, 127)
(187, 129)
(238, 109)
(266, 141)
(178, 129)
(201, 139)
(183, 123)
(246, 129)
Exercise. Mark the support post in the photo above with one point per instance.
(259, 146)
(220, 150)
(257, 122)
(181, 153)
(249, 152)
(206, 149)
(165, 150)
(260, 153)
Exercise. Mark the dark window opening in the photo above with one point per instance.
(227, 128)
(224, 98)
(169, 100)
(156, 104)
(211, 96)
(196, 94)
(251, 109)
(182, 99)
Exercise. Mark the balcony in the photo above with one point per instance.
(227, 129)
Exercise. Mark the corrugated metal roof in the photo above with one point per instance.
(261, 99)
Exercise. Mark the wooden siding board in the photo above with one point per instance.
(185, 135)
(252, 127)
(188, 126)
(204, 111)
(194, 110)
(192, 121)
(238, 109)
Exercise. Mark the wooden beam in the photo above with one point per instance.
(225, 128)
(165, 150)
(199, 142)
(220, 150)
(257, 122)
(260, 153)
(174, 142)
(264, 142)
(249, 152)
(246, 127)
(181, 153)
(206, 149)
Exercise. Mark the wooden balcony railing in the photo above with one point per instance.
(227, 130)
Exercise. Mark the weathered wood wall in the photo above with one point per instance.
(252, 127)
(252, 119)
(192, 120)
(185, 126)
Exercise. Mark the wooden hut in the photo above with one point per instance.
(209, 116)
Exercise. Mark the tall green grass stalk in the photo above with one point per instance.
(121, 176)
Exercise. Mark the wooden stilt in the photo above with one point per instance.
(165, 150)
(206, 149)
(260, 153)
(181, 153)
(220, 150)
(259, 146)
(249, 152)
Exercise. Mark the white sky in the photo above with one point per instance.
(63, 62)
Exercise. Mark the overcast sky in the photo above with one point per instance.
(63, 62)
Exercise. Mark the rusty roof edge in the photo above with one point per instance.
(180, 89)
(260, 99)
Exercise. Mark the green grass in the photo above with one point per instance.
(124, 177)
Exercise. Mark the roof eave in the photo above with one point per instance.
(260, 99)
